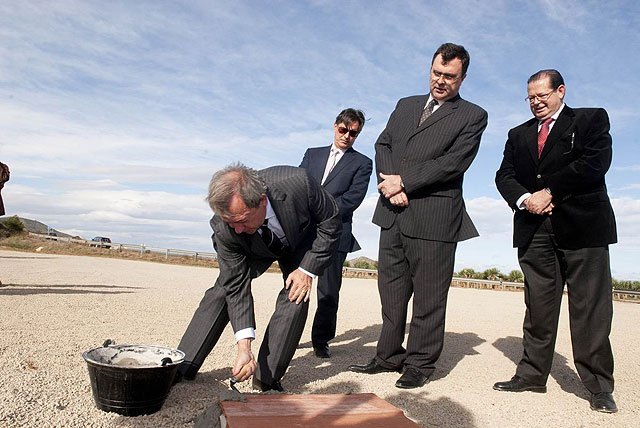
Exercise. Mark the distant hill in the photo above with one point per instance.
(35, 226)
(363, 262)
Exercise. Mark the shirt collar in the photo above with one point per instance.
(555, 115)
(270, 212)
(337, 149)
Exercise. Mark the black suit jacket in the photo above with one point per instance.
(4, 177)
(573, 164)
(431, 159)
(310, 219)
(347, 183)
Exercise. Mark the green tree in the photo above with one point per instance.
(467, 273)
(492, 274)
(363, 264)
(626, 285)
(515, 276)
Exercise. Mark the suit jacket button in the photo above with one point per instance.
(538, 176)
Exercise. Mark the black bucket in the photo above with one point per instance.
(131, 380)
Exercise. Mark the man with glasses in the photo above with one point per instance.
(553, 176)
(421, 157)
(345, 174)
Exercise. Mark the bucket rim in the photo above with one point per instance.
(182, 355)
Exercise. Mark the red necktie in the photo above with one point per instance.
(543, 134)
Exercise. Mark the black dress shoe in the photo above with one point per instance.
(518, 384)
(371, 368)
(264, 387)
(603, 402)
(411, 378)
(322, 351)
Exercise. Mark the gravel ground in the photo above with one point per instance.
(53, 308)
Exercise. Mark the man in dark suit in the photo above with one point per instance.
(345, 174)
(421, 157)
(555, 163)
(4, 177)
(278, 213)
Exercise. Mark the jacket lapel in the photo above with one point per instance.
(421, 102)
(563, 123)
(342, 163)
(286, 215)
(532, 140)
(447, 108)
(319, 163)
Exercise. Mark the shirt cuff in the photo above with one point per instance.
(521, 199)
(312, 275)
(245, 333)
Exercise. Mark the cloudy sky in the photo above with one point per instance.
(114, 115)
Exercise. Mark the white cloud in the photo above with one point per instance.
(114, 115)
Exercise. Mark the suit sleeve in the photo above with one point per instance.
(353, 197)
(453, 162)
(325, 213)
(235, 278)
(384, 150)
(593, 163)
(506, 182)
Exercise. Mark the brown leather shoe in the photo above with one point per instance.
(371, 368)
(518, 384)
(603, 402)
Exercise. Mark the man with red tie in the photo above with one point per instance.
(553, 177)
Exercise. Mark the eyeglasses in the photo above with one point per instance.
(449, 78)
(542, 98)
(352, 133)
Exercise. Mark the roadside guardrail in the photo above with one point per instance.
(486, 284)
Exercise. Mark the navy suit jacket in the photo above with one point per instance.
(573, 163)
(347, 183)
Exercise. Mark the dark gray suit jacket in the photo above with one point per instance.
(347, 183)
(432, 160)
(575, 159)
(310, 219)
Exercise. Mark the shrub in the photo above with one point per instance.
(13, 224)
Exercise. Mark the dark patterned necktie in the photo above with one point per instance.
(427, 111)
(543, 134)
(270, 239)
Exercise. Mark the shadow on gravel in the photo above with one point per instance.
(33, 289)
(26, 257)
(565, 375)
(357, 346)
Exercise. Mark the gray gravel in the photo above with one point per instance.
(52, 308)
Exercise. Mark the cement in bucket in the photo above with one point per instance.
(131, 380)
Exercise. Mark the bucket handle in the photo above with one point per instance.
(166, 361)
(108, 342)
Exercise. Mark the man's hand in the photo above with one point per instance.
(539, 203)
(300, 284)
(245, 365)
(390, 185)
(400, 200)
